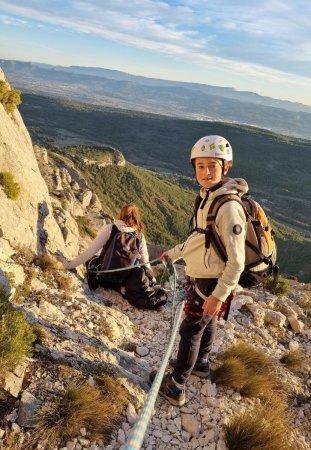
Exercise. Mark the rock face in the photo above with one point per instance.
(28, 220)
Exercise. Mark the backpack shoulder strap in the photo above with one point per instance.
(193, 221)
(114, 231)
(212, 236)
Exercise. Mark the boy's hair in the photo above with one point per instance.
(131, 216)
(224, 163)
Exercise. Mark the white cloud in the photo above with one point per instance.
(260, 40)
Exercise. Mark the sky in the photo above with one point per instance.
(260, 46)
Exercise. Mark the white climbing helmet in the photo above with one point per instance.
(212, 147)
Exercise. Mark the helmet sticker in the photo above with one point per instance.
(222, 147)
(212, 147)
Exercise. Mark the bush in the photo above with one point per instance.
(10, 187)
(279, 288)
(80, 405)
(16, 337)
(10, 98)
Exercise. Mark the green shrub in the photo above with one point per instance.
(4, 301)
(10, 187)
(80, 405)
(16, 337)
(10, 98)
(84, 227)
(279, 288)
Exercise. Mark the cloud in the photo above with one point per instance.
(270, 39)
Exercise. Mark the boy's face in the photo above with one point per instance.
(208, 171)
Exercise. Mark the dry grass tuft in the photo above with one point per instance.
(232, 373)
(23, 254)
(64, 281)
(112, 387)
(258, 386)
(106, 328)
(264, 428)
(253, 359)
(48, 263)
(250, 371)
(304, 301)
(81, 405)
(293, 360)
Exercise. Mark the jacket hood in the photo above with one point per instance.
(123, 227)
(229, 186)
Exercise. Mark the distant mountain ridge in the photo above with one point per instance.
(180, 99)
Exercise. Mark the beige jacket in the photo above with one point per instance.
(231, 227)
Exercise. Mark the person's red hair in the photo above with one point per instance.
(131, 216)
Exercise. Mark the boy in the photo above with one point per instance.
(212, 280)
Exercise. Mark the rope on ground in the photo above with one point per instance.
(137, 435)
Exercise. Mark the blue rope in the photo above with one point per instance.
(137, 435)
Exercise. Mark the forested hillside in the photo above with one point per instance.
(275, 166)
(165, 205)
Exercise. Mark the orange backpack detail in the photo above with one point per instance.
(260, 245)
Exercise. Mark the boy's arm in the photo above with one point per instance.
(175, 253)
(231, 227)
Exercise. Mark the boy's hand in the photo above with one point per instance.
(211, 306)
(163, 256)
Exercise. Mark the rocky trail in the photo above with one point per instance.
(84, 331)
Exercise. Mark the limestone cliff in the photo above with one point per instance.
(28, 220)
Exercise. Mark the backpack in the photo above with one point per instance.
(121, 250)
(260, 245)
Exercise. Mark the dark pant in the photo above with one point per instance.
(139, 291)
(197, 333)
(138, 288)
